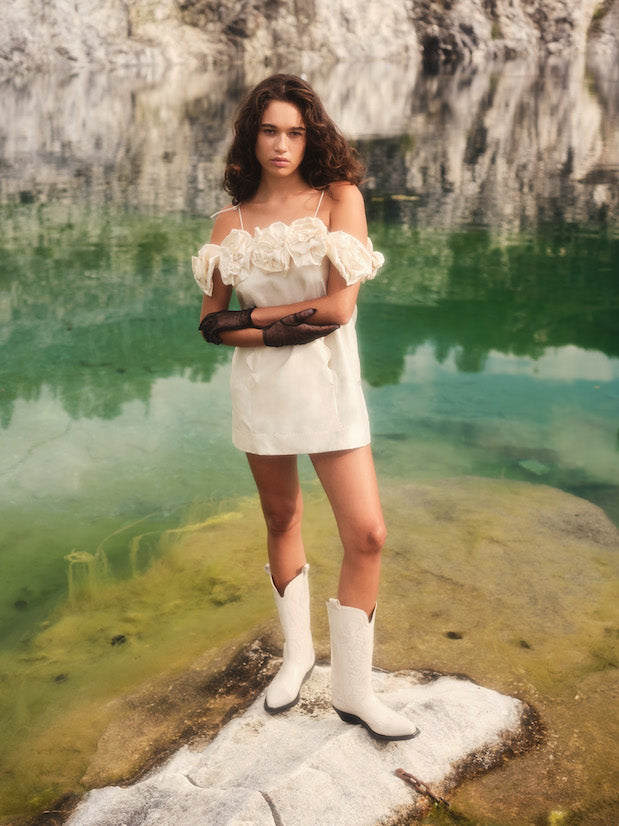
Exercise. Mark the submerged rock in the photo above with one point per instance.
(534, 466)
(307, 767)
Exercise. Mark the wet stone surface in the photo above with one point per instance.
(306, 767)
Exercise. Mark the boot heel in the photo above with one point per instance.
(352, 719)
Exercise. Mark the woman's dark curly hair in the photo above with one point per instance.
(328, 157)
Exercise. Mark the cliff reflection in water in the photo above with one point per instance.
(110, 304)
(472, 293)
(102, 206)
(490, 146)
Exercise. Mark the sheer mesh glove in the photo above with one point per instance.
(225, 321)
(292, 329)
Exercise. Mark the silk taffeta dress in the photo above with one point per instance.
(306, 398)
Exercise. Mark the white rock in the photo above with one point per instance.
(156, 34)
(306, 767)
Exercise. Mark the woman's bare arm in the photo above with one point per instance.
(220, 298)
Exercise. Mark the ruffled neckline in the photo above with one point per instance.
(274, 227)
(278, 248)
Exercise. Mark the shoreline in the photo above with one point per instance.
(232, 688)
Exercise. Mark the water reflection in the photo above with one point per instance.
(552, 418)
(470, 291)
(499, 147)
(99, 306)
(507, 149)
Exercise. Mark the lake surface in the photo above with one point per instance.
(489, 342)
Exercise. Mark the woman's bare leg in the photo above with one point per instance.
(349, 480)
(278, 485)
(280, 494)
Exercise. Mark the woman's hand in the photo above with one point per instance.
(292, 329)
(225, 321)
(289, 330)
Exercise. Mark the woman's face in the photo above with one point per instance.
(281, 140)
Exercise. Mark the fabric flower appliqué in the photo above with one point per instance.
(234, 257)
(270, 251)
(307, 242)
(279, 247)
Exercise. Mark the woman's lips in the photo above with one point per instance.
(279, 161)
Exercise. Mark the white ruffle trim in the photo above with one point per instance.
(279, 248)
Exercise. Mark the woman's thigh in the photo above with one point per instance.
(349, 480)
(277, 480)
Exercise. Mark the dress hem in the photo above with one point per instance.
(352, 445)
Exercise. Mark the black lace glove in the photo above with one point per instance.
(225, 321)
(292, 329)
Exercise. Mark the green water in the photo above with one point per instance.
(481, 356)
(498, 357)
(489, 348)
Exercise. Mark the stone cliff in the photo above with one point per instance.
(151, 35)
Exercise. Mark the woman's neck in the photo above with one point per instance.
(272, 189)
(279, 200)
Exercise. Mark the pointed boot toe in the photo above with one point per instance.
(381, 721)
(285, 689)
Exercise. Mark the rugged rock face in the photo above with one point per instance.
(476, 29)
(153, 34)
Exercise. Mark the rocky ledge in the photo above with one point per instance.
(306, 767)
(152, 35)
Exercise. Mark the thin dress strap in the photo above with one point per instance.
(322, 194)
(230, 209)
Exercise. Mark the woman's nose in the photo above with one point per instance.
(280, 143)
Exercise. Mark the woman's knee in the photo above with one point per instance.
(282, 516)
(368, 539)
(376, 537)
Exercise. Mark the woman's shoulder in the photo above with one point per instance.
(343, 192)
(347, 209)
(226, 220)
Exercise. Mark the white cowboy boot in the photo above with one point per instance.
(294, 615)
(352, 644)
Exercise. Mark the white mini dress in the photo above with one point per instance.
(305, 398)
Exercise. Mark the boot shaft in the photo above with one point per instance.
(352, 648)
(293, 609)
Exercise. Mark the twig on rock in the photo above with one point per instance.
(421, 787)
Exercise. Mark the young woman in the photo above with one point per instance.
(293, 246)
